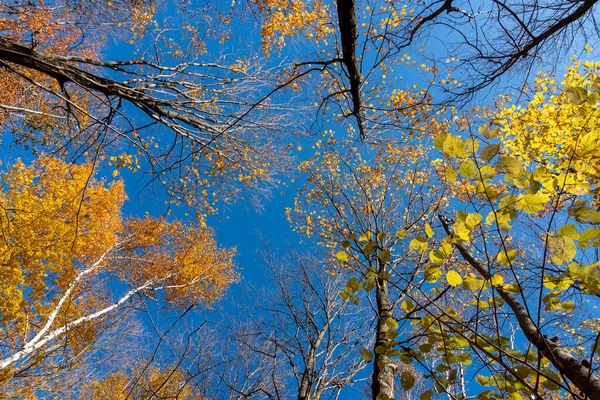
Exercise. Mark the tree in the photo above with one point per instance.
(314, 336)
(216, 109)
(293, 338)
(460, 48)
(72, 266)
(525, 246)
(365, 204)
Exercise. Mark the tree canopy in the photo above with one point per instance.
(438, 163)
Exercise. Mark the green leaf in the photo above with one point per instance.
(352, 283)
(562, 249)
(482, 380)
(384, 256)
(344, 296)
(391, 335)
(391, 323)
(426, 395)
(385, 275)
(585, 214)
(345, 244)
(490, 151)
(369, 247)
(453, 278)
(425, 347)
(567, 306)
(368, 284)
(366, 354)
(407, 380)
(442, 368)
(341, 255)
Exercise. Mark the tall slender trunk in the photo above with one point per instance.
(384, 369)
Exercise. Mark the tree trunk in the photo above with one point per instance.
(384, 369)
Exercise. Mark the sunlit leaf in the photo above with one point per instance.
(419, 244)
(366, 354)
(532, 203)
(428, 230)
(391, 323)
(569, 230)
(468, 168)
(585, 214)
(497, 280)
(589, 238)
(505, 258)
(473, 220)
(562, 249)
(453, 278)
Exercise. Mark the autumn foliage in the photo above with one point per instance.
(71, 263)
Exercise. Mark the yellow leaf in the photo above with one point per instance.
(505, 258)
(468, 168)
(497, 280)
(453, 278)
(532, 203)
(562, 249)
(419, 244)
(473, 220)
(428, 230)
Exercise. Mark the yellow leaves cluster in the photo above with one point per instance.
(287, 18)
(560, 126)
(54, 216)
(190, 264)
(63, 235)
(162, 382)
